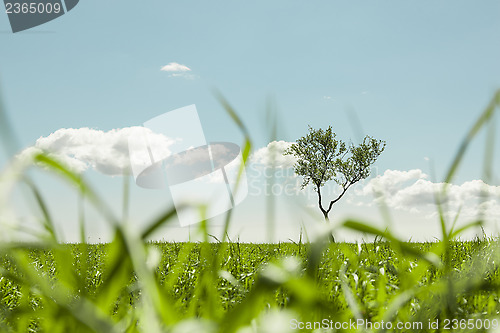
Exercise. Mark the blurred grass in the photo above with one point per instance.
(131, 285)
(353, 281)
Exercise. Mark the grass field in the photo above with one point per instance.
(132, 285)
(251, 287)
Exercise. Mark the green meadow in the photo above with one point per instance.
(233, 287)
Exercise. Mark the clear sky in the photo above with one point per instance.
(416, 74)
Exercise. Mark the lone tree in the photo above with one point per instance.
(321, 158)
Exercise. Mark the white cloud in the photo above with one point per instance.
(267, 165)
(175, 67)
(392, 181)
(412, 191)
(272, 155)
(105, 152)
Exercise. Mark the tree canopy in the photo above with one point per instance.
(321, 158)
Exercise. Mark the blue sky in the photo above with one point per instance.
(414, 74)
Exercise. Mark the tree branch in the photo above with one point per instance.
(338, 198)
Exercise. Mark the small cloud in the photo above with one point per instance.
(327, 97)
(426, 158)
(178, 70)
(272, 156)
(175, 67)
(365, 92)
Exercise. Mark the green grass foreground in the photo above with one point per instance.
(237, 287)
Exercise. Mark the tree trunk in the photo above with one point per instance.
(325, 213)
(327, 220)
